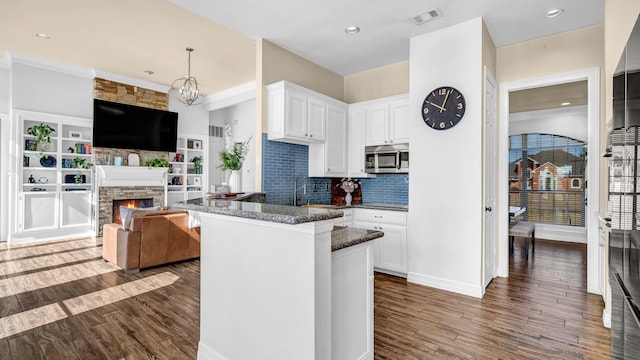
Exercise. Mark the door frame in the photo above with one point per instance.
(595, 277)
(488, 77)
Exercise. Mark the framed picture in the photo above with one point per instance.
(189, 144)
(197, 144)
(75, 134)
(197, 180)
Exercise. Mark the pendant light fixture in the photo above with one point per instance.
(187, 89)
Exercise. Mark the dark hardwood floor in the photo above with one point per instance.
(62, 301)
(542, 311)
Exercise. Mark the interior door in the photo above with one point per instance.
(490, 155)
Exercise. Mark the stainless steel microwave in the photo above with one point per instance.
(387, 159)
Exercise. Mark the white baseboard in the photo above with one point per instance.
(206, 352)
(606, 318)
(444, 284)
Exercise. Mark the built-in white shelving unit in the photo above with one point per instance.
(185, 181)
(52, 197)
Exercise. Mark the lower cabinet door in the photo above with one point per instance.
(352, 303)
(75, 208)
(40, 211)
(391, 249)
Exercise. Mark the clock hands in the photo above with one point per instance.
(438, 106)
(444, 102)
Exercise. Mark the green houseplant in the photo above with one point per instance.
(197, 164)
(80, 163)
(42, 134)
(157, 162)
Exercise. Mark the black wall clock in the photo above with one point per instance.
(443, 108)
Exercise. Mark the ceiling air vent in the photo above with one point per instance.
(423, 17)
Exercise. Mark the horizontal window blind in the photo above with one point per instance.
(547, 176)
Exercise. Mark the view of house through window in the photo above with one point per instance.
(547, 176)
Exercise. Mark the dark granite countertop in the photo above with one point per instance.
(259, 211)
(343, 237)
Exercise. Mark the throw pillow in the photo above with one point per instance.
(124, 211)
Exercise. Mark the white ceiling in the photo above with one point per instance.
(129, 36)
(315, 29)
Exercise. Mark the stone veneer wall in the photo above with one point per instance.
(126, 94)
(107, 194)
(131, 95)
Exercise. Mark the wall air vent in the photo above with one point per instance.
(425, 16)
(216, 131)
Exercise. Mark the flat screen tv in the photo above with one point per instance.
(125, 126)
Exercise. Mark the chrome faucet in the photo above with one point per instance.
(296, 187)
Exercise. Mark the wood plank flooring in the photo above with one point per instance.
(542, 311)
(61, 301)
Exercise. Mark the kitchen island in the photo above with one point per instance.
(280, 282)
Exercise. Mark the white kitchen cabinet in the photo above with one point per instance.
(352, 303)
(391, 249)
(386, 120)
(356, 142)
(330, 158)
(295, 114)
(346, 219)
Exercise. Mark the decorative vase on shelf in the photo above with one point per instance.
(347, 199)
(234, 181)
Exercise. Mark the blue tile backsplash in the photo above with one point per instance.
(282, 161)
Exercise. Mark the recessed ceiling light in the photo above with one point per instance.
(553, 13)
(352, 30)
(149, 72)
(43, 36)
(565, 103)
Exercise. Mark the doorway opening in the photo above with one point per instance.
(512, 91)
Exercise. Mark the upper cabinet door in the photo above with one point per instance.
(399, 122)
(377, 124)
(296, 115)
(317, 118)
(336, 145)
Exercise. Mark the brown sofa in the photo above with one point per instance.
(150, 238)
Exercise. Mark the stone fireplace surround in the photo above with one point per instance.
(121, 187)
(124, 182)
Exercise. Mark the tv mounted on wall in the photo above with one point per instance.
(125, 126)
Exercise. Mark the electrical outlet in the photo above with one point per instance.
(328, 187)
(315, 187)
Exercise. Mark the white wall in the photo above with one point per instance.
(192, 119)
(38, 89)
(570, 122)
(445, 222)
(4, 89)
(242, 118)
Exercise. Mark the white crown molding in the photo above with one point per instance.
(230, 97)
(13, 57)
(131, 81)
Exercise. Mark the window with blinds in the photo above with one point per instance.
(547, 176)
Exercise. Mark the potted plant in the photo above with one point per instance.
(80, 163)
(42, 134)
(197, 164)
(157, 162)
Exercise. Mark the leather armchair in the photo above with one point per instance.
(150, 238)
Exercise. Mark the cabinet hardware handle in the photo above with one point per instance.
(385, 141)
(377, 216)
(328, 169)
(306, 134)
(390, 141)
(310, 135)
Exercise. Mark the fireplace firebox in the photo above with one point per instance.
(130, 203)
